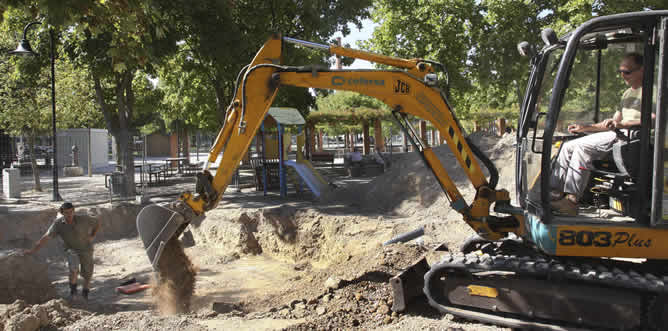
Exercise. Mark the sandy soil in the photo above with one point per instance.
(294, 266)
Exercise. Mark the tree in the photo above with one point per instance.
(113, 40)
(476, 41)
(25, 100)
(221, 37)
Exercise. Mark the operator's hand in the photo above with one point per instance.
(609, 123)
(27, 251)
(620, 125)
(575, 128)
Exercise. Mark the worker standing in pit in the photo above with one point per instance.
(77, 234)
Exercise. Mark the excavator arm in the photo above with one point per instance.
(410, 90)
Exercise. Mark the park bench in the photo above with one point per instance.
(323, 157)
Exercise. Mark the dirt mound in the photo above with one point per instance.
(54, 314)
(24, 277)
(289, 234)
(409, 186)
(137, 320)
(175, 285)
(116, 223)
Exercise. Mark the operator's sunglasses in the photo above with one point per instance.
(627, 72)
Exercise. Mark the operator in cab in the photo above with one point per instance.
(570, 176)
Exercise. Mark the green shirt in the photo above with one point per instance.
(75, 236)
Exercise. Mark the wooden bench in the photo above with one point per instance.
(323, 157)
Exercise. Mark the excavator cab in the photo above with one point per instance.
(605, 267)
(576, 79)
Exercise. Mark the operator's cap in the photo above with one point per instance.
(66, 205)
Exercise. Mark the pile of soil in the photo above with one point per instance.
(54, 314)
(175, 284)
(24, 277)
(409, 187)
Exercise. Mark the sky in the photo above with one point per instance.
(355, 35)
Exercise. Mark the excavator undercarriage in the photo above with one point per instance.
(510, 284)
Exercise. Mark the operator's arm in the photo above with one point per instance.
(604, 125)
(625, 124)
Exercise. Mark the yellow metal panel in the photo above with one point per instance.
(301, 138)
(483, 291)
(612, 241)
(442, 175)
(271, 146)
(378, 58)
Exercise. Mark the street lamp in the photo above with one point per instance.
(24, 49)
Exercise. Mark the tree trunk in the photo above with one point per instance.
(311, 138)
(405, 139)
(365, 138)
(378, 136)
(186, 145)
(33, 162)
(119, 123)
(501, 125)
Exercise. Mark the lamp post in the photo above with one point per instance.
(24, 49)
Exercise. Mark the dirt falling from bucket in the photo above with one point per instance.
(174, 289)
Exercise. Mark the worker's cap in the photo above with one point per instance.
(66, 205)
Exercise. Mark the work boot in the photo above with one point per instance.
(84, 293)
(73, 290)
(564, 206)
(556, 195)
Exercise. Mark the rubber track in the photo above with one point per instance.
(558, 268)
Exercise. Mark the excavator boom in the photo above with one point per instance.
(410, 90)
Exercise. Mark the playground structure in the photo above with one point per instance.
(278, 146)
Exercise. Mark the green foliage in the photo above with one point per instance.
(222, 36)
(345, 111)
(25, 99)
(476, 41)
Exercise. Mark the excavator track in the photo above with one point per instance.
(545, 293)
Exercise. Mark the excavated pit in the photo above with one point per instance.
(293, 266)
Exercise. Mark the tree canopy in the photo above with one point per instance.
(476, 41)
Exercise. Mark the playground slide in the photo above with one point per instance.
(315, 182)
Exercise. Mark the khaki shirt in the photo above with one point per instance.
(75, 236)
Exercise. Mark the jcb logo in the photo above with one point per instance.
(401, 87)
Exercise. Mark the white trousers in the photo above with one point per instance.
(570, 173)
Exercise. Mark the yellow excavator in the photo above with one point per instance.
(527, 266)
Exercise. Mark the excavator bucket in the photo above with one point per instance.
(408, 284)
(157, 224)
